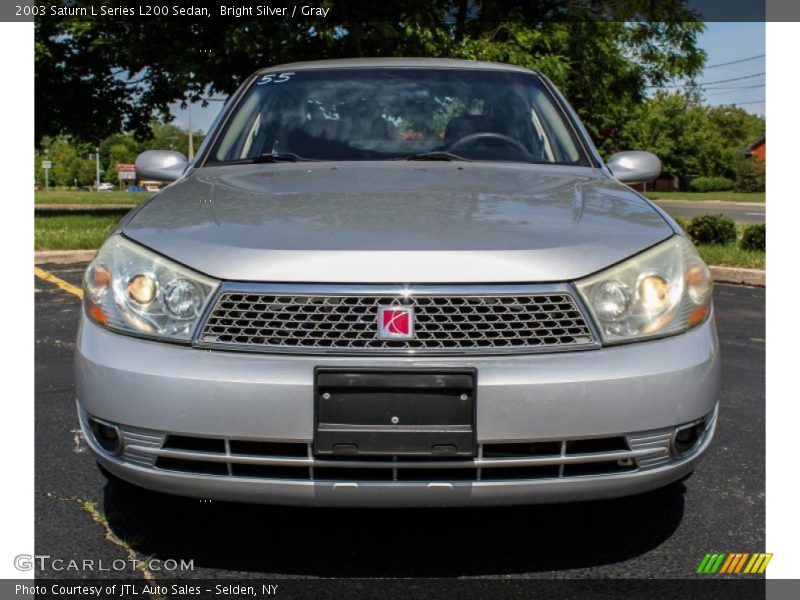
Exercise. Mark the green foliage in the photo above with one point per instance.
(712, 229)
(74, 162)
(601, 56)
(751, 175)
(71, 163)
(754, 237)
(731, 255)
(711, 184)
(690, 138)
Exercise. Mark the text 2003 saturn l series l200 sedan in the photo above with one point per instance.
(399, 282)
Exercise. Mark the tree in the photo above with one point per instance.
(690, 138)
(97, 77)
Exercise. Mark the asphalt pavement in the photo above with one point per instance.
(666, 533)
(739, 212)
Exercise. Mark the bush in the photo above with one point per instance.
(750, 175)
(754, 237)
(712, 229)
(683, 222)
(711, 184)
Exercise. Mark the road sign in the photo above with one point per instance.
(47, 164)
(126, 171)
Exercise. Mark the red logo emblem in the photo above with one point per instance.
(395, 322)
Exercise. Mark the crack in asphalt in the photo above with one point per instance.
(98, 517)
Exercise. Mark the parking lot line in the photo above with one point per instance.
(64, 285)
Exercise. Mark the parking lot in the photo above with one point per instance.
(660, 534)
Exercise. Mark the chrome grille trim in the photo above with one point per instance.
(642, 451)
(138, 445)
(333, 319)
(486, 463)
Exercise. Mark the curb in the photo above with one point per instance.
(63, 257)
(754, 277)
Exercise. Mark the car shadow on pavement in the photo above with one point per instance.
(317, 542)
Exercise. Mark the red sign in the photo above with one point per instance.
(126, 167)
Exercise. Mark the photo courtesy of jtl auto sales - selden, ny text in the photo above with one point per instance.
(419, 300)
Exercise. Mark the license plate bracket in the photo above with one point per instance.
(402, 412)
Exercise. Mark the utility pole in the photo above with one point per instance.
(191, 136)
(97, 166)
(46, 169)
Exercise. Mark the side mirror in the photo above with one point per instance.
(160, 165)
(634, 167)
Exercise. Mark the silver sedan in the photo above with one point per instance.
(398, 282)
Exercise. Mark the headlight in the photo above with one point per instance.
(133, 290)
(664, 290)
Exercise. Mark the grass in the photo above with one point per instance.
(730, 255)
(74, 197)
(709, 196)
(83, 231)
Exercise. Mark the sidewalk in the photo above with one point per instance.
(714, 204)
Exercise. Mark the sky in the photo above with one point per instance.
(728, 42)
(723, 43)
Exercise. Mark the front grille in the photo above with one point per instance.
(509, 322)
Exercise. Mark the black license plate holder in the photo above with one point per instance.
(426, 413)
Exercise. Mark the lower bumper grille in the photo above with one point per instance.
(495, 461)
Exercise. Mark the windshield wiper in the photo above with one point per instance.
(275, 157)
(435, 155)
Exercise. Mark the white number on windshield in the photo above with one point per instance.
(273, 78)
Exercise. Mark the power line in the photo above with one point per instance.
(735, 62)
(750, 102)
(729, 90)
(705, 83)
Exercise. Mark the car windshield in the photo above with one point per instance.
(395, 114)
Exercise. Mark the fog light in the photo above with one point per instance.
(107, 436)
(687, 437)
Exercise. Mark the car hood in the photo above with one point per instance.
(397, 222)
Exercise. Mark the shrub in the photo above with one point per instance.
(711, 184)
(754, 237)
(683, 222)
(712, 229)
(750, 176)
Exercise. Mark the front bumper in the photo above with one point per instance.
(637, 393)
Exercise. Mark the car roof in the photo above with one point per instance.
(397, 62)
